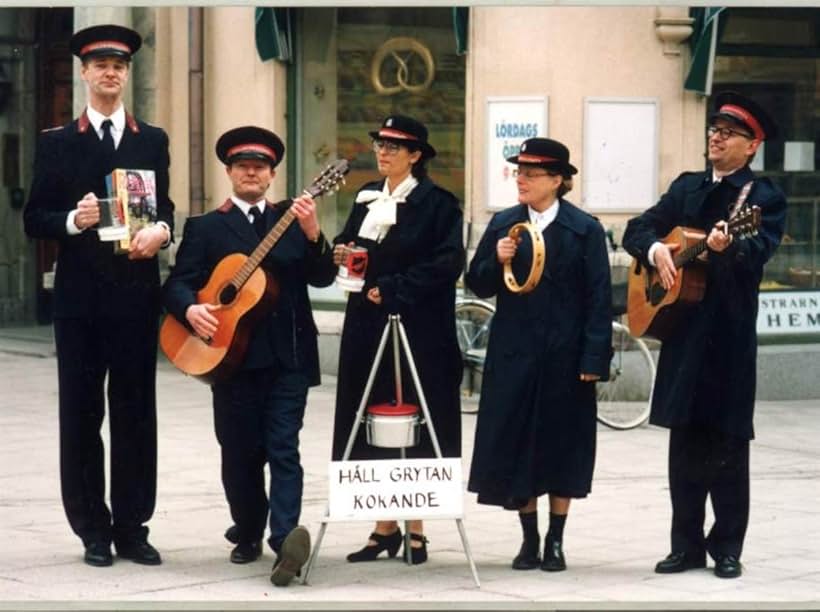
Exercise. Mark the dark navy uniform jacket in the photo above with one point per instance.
(91, 280)
(712, 355)
(536, 426)
(287, 338)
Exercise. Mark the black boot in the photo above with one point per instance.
(553, 556)
(553, 559)
(527, 557)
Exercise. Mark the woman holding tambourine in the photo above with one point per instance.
(546, 261)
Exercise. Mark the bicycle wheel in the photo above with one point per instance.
(624, 401)
(473, 319)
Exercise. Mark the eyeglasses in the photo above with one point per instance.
(391, 148)
(528, 173)
(725, 133)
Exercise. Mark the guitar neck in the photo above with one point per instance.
(261, 251)
(689, 253)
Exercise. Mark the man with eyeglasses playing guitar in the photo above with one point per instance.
(705, 387)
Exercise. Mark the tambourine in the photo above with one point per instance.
(539, 258)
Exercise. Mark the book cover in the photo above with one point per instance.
(136, 192)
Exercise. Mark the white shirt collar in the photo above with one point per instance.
(717, 179)
(245, 207)
(117, 122)
(542, 219)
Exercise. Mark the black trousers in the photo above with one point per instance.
(126, 351)
(257, 417)
(703, 462)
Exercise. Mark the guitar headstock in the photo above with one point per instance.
(746, 222)
(330, 178)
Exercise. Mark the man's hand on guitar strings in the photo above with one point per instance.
(201, 319)
(665, 264)
(719, 238)
(304, 209)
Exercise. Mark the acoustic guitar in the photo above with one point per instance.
(244, 292)
(655, 311)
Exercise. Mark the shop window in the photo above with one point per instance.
(355, 67)
(772, 56)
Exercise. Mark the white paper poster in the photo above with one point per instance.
(510, 121)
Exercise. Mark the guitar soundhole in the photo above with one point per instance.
(656, 294)
(227, 295)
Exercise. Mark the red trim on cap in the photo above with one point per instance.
(746, 117)
(251, 148)
(535, 159)
(390, 133)
(105, 44)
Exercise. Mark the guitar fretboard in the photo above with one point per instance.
(260, 252)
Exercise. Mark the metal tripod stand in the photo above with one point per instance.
(394, 326)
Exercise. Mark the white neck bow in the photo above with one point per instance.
(381, 208)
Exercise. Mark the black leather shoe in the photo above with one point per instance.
(553, 560)
(390, 543)
(527, 558)
(291, 557)
(728, 567)
(139, 552)
(418, 555)
(246, 552)
(680, 562)
(232, 534)
(98, 554)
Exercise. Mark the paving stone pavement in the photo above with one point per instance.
(612, 539)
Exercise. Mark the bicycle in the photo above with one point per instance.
(623, 401)
(473, 318)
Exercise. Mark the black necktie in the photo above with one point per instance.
(107, 139)
(258, 221)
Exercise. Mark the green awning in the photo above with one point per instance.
(273, 34)
(703, 43)
(461, 21)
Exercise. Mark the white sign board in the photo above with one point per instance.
(395, 489)
(510, 121)
(620, 172)
(788, 312)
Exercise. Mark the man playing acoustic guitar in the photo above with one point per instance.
(258, 409)
(705, 388)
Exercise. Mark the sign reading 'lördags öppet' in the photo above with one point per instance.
(395, 489)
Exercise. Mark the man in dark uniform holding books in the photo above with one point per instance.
(106, 305)
(705, 388)
(258, 409)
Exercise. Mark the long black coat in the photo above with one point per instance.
(536, 420)
(287, 337)
(415, 267)
(714, 351)
(91, 279)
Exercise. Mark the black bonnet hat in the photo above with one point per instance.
(105, 41)
(250, 142)
(546, 153)
(401, 129)
(744, 112)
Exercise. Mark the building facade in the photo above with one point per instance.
(607, 81)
